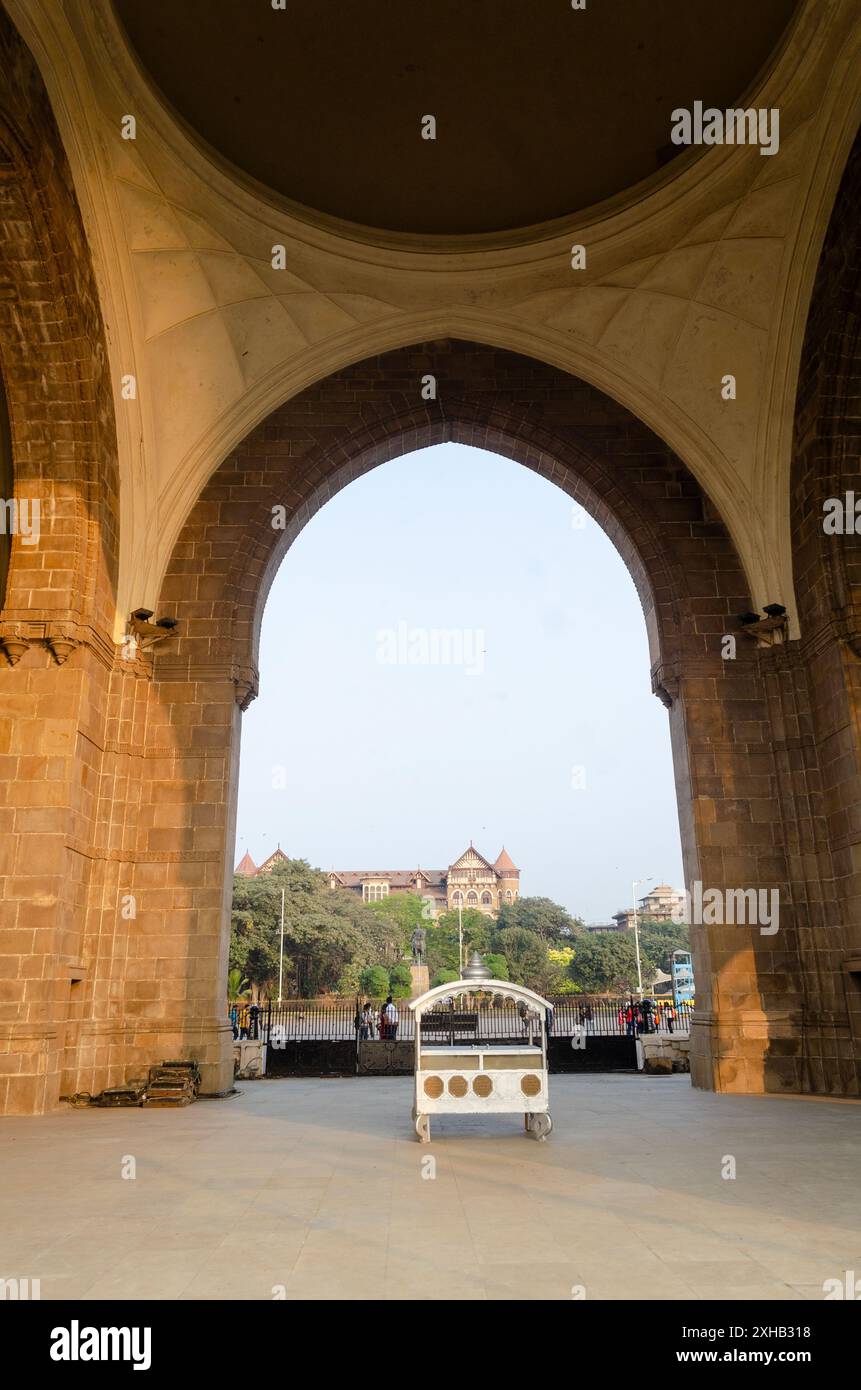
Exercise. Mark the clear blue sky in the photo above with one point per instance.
(391, 758)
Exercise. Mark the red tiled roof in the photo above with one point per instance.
(246, 866)
(398, 878)
(505, 864)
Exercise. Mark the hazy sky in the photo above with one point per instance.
(373, 745)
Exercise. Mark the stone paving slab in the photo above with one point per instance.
(318, 1187)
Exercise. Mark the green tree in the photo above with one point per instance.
(253, 952)
(442, 939)
(400, 982)
(542, 916)
(237, 987)
(402, 913)
(604, 962)
(498, 964)
(325, 930)
(526, 955)
(658, 940)
(559, 958)
(444, 977)
(374, 980)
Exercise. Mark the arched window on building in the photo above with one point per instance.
(486, 900)
(508, 897)
(472, 899)
(457, 898)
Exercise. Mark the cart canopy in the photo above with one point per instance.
(503, 989)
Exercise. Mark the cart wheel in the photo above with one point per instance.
(541, 1125)
(423, 1128)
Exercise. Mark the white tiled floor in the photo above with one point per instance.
(317, 1186)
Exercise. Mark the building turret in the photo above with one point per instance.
(508, 885)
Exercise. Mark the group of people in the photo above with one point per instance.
(646, 1016)
(370, 1023)
(245, 1022)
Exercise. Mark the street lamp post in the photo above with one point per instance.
(460, 939)
(281, 960)
(634, 886)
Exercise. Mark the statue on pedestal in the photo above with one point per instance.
(418, 943)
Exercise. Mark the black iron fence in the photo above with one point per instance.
(618, 1017)
(343, 1020)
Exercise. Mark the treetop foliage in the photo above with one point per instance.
(335, 942)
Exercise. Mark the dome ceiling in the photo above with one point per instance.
(541, 110)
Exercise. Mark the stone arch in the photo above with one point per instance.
(564, 429)
(689, 577)
(262, 402)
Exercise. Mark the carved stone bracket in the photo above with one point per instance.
(666, 684)
(247, 683)
(61, 646)
(60, 637)
(14, 648)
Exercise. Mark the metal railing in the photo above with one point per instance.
(326, 1020)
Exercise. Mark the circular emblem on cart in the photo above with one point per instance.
(457, 1086)
(482, 1085)
(433, 1087)
(530, 1085)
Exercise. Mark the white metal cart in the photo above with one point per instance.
(481, 1049)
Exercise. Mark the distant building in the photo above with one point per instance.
(657, 906)
(470, 882)
(249, 869)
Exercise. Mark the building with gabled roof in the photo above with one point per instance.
(249, 869)
(470, 882)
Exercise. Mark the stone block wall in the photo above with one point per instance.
(56, 652)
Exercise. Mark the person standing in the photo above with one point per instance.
(390, 1016)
